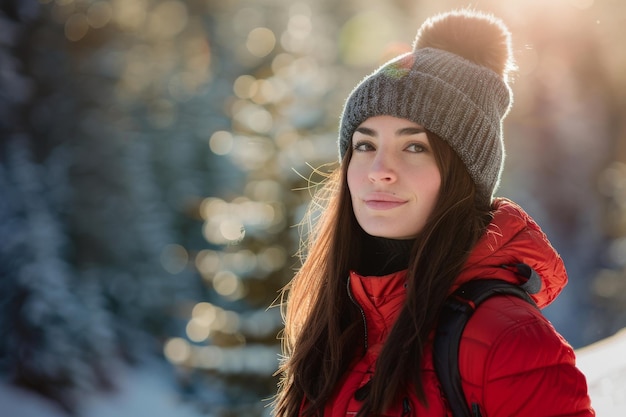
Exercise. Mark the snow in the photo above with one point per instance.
(604, 365)
(144, 391)
(141, 392)
(19, 402)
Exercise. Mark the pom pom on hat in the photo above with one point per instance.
(454, 83)
(477, 37)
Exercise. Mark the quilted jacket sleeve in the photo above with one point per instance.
(514, 363)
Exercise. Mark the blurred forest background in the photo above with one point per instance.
(155, 158)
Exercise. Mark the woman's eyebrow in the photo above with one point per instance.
(366, 131)
(404, 131)
(407, 131)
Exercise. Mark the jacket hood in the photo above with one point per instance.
(514, 238)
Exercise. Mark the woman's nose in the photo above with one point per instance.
(382, 168)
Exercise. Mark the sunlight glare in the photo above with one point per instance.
(581, 4)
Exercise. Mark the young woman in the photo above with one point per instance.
(408, 217)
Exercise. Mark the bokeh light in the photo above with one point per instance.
(167, 19)
(253, 117)
(228, 285)
(177, 350)
(261, 42)
(174, 258)
(99, 14)
(362, 46)
(76, 27)
(221, 142)
(130, 15)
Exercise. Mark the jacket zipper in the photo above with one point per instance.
(476, 410)
(406, 407)
(365, 342)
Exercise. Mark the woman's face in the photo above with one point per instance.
(393, 177)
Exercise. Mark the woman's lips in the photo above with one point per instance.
(378, 201)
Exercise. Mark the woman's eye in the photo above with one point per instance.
(363, 147)
(416, 147)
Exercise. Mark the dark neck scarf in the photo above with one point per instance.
(382, 256)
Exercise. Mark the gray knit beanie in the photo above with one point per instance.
(454, 83)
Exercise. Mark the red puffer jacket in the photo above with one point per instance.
(512, 361)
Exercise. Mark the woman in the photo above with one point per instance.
(409, 216)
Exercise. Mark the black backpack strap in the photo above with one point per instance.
(455, 313)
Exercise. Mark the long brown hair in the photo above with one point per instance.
(323, 328)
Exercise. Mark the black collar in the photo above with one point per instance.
(382, 256)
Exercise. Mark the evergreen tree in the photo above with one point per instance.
(91, 168)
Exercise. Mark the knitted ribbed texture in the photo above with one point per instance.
(458, 100)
